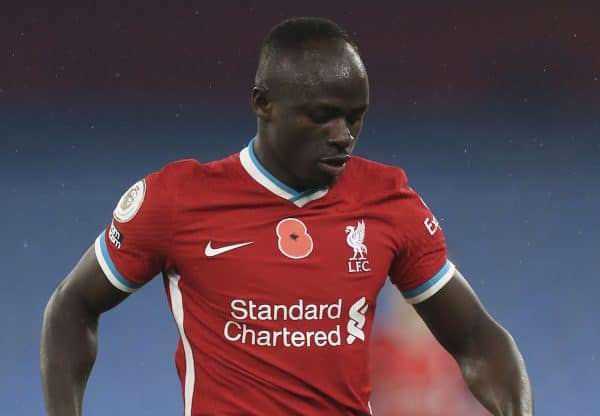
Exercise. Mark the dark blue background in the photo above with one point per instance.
(504, 146)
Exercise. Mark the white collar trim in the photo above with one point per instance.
(263, 177)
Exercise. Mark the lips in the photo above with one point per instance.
(334, 165)
(336, 160)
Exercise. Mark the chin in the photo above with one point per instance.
(332, 181)
(324, 180)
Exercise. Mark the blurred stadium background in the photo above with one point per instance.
(492, 110)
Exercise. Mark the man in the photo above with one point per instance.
(273, 258)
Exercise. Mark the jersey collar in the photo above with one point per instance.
(261, 175)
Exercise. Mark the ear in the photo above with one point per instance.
(261, 103)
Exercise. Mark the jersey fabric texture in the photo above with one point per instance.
(274, 291)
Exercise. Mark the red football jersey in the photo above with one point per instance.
(274, 291)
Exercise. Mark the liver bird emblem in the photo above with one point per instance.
(355, 238)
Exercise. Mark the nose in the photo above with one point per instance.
(342, 137)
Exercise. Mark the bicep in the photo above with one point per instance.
(88, 286)
(455, 315)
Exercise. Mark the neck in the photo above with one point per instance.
(267, 158)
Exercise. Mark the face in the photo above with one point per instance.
(311, 115)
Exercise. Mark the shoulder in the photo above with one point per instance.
(185, 170)
(156, 192)
(388, 188)
(178, 170)
(160, 195)
(377, 176)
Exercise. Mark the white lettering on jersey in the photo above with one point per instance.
(248, 309)
(241, 332)
(130, 202)
(327, 317)
(357, 320)
(431, 224)
(115, 236)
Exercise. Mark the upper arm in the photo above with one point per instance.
(87, 286)
(456, 317)
(420, 267)
(429, 280)
(132, 249)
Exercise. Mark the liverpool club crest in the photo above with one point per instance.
(355, 238)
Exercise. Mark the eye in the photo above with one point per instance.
(355, 116)
(353, 119)
(321, 117)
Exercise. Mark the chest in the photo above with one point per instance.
(290, 254)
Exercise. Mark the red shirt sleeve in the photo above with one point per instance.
(421, 266)
(134, 246)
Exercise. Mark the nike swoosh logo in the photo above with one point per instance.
(209, 251)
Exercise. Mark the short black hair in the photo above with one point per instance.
(292, 34)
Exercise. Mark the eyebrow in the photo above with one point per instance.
(332, 109)
(324, 107)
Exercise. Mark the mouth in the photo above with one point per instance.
(334, 165)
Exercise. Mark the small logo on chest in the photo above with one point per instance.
(355, 237)
(293, 238)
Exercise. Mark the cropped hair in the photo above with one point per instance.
(292, 34)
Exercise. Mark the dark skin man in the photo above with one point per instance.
(310, 108)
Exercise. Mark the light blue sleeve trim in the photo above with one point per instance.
(431, 286)
(109, 268)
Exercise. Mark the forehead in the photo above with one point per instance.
(322, 71)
